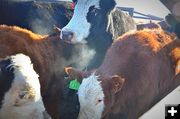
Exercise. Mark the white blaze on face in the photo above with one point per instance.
(23, 100)
(79, 24)
(91, 98)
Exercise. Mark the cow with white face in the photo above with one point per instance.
(139, 69)
(94, 92)
(20, 96)
(79, 26)
(97, 23)
(94, 25)
(94, 17)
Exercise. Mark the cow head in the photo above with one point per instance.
(88, 15)
(96, 94)
(20, 95)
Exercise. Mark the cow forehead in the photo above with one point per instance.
(25, 74)
(90, 89)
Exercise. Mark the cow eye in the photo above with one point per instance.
(93, 10)
(22, 94)
(99, 100)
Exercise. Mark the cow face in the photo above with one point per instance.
(96, 95)
(91, 98)
(20, 89)
(88, 15)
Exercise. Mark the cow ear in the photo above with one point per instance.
(68, 70)
(117, 83)
(73, 73)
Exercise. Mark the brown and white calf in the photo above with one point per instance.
(49, 55)
(20, 96)
(139, 69)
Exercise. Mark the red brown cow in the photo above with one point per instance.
(139, 69)
(49, 56)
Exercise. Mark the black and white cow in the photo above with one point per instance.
(97, 23)
(20, 96)
(94, 25)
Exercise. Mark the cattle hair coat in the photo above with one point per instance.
(47, 56)
(148, 61)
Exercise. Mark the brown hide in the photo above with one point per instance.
(148, 25)
(46, 54)
(147, 60)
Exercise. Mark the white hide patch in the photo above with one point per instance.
(78, 23)
(91, 98)
(23, 100)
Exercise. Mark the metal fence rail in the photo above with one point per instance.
(139, 15)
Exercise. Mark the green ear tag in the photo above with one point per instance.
(74, 84)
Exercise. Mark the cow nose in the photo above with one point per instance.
(67, 35)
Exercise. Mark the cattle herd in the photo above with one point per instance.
(123, 70)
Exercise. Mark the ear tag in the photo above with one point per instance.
(74, 84)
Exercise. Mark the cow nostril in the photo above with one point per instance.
(67, 35)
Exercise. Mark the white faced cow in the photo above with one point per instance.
(97, 23)
(139, 69)
(96, 17)
(20, 96)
